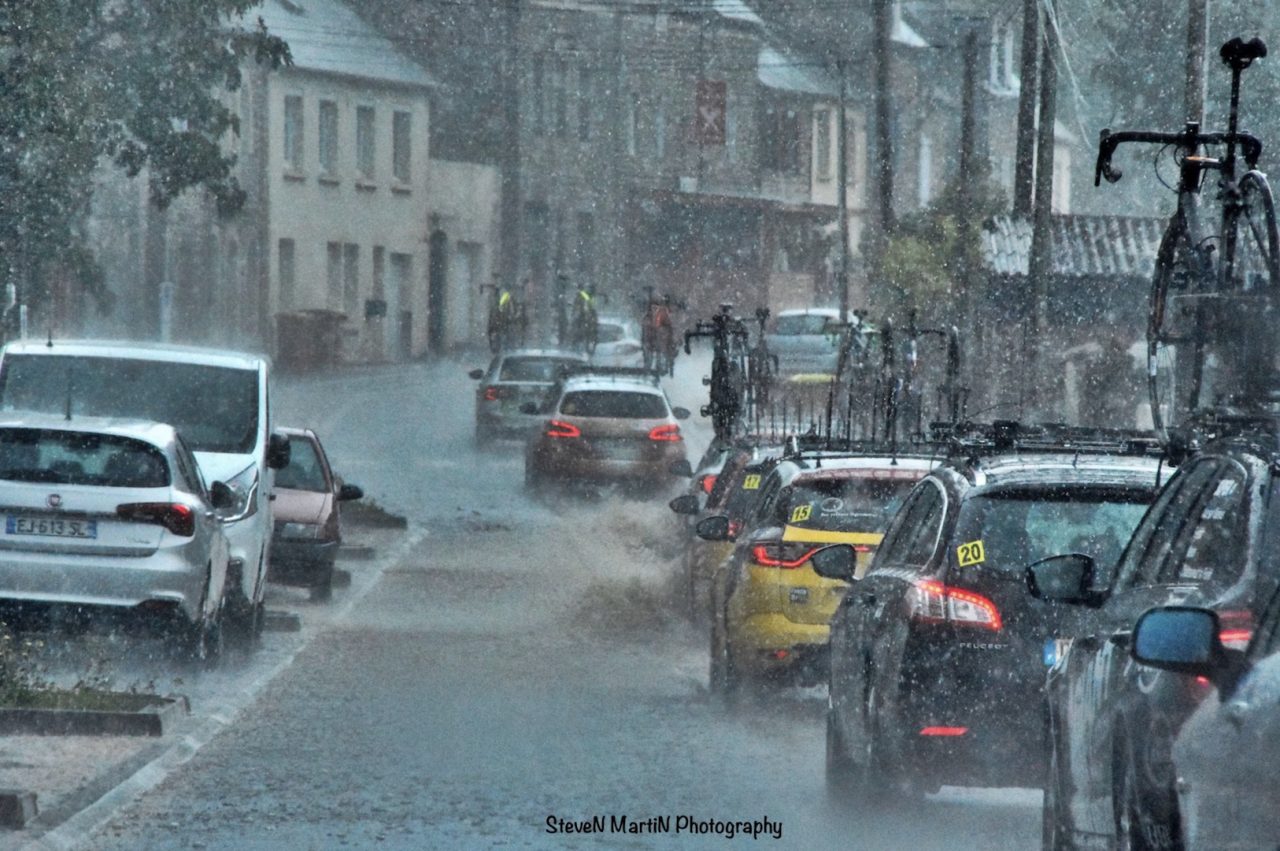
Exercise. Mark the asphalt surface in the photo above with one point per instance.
(525, 661)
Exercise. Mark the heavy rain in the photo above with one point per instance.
(639, 423)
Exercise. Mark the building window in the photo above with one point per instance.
(659, 133)
(586, 100)
(538, 97)
(586, 249)
(731, 133)
(334, 275)
(632, 116)
(822, 143)
(398, 288)
(365, 142)
(328, 142)
(560, 93)
(287, 273)
(350, 278)
(780, 140)
(401, 124)
(924, 187)
(293, 132)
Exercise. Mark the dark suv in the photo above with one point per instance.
(937, 653)
(1211, 540)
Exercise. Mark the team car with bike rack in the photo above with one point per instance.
(937, 653)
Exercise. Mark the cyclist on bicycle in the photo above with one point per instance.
(584, 324)
(658, 336)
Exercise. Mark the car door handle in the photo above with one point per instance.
(1121, 638)
(868, 599)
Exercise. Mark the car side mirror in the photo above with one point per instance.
(476, 374)
(839, 561)
(681, 413)
(278, 451)
(221, 496)
(529, 408)
(685, 504)
(681, 468)
(713, 528)
(347, 493)
(1063, 579)
(1186, 640)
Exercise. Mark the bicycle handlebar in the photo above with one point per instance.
(1190, 138)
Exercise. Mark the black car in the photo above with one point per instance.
(1210, 540)
(937, 653)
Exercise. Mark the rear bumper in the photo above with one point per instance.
(166, 576)
(770, 645)
(652, 466)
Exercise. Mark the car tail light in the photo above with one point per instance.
(943, 731)
(735, 526)
(558, 428)
(492, 394)
(936, 602)
(786, 556)
(1235, 628)
(863, 548)
(176, 517)
(666, 434)
(707, 482)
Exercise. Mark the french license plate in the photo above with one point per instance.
(620, 450)
(52, 527)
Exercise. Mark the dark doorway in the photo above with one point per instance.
(437, 290)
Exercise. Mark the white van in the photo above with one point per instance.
(219, 401)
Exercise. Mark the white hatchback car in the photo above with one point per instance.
(617, 342)
(113, 516)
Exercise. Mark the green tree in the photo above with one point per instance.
(138, 83)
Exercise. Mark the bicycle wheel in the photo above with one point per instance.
(1180, 271)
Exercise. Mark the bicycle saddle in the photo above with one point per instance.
(1240, 54)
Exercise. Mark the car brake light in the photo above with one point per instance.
(492, 394)
(666, 434)
(735, 526)
(176, 517)
(785, 556)
(863, 548)
(943, 731)
(936, 602)
(707, 482)
(557, 428)
(1235, 628)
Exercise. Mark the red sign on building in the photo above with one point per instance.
(709, 112)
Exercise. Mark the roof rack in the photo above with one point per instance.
(977, 439)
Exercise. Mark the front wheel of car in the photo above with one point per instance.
(725, 679)
(844, 780)
(322, 591)
(1145, 819)
(1055, 829)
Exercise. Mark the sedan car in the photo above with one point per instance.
(937, 653)
(606, 426)
(807, 343)
(513, 380)
(308, 528)
(113, 517)
(617, 342)
(1227, 756)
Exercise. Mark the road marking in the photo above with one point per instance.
(77, 830)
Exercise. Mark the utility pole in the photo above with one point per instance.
(1041, 260)
(1024, 158)
(1197, 35)
(512, 225)
(842, 190)
(967, 177)
(882, 56)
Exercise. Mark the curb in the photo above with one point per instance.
(154, 720)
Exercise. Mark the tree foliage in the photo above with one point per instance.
(138, 83)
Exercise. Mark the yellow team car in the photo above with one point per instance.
(769, 610)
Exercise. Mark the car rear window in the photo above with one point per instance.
(615, 404)
(848, 504)
(790, 326)
(1019, 527)
(533, 369)
(80, 458)
(214, 407)
(304, 471)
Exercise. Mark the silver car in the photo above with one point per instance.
(807, 343)
(513, 380)
(617, 342)
(112, 516)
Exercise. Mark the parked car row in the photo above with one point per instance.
(137, 485)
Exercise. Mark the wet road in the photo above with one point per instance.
(523, 662)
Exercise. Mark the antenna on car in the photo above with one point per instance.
(50, 343)
(68, 412)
